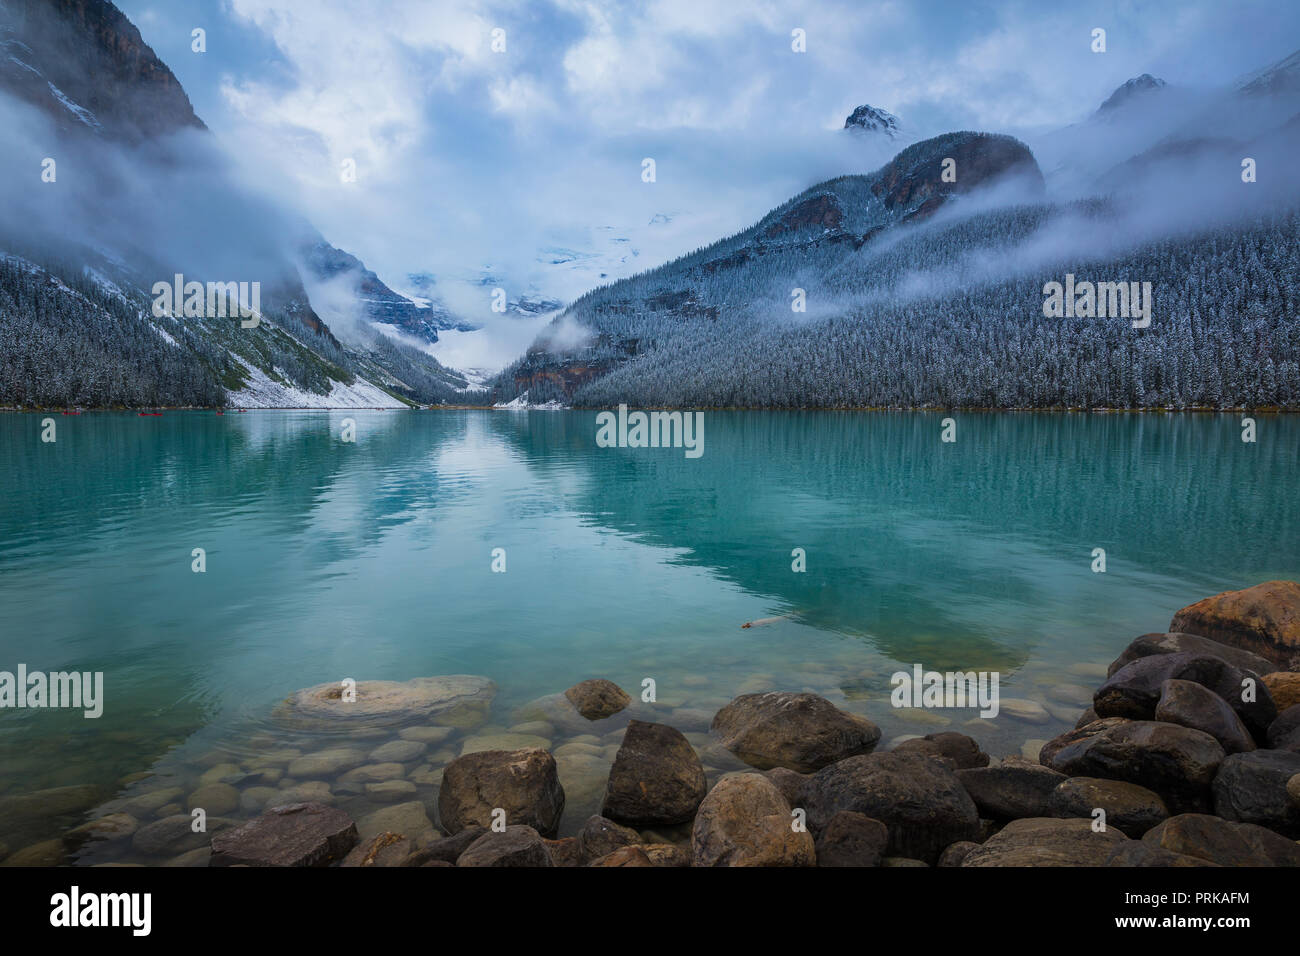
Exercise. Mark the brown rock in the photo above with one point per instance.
(1264, 619)
(1189, 704)
(624, 856)
(600, 837)
(657, 778)
(1284, 686)
(1043, 841)
(962, 750)
(1015, 788)
(852, 839)
(1129, 807)
(744, 821)
(597, 698)
(1223, 842)
(387, 849)
(1152, 644)
(446, 850)
(523, 783)
(514, 846)
(802, 732)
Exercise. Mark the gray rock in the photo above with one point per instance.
(918, 798)
(1014, 788)
(1134, 690)
(1129, 807)
(1284, 733)
(301, 834)
(524, 783)
(456, 700)
(1189, 704)
(1149, 645)
(789, 782)
(447, 849)
(397, 751)
(1178, 763)
(1251, 788)
(954, 853)
(1049, 750)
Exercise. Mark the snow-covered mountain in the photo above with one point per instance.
(870, 119)
(131, 195)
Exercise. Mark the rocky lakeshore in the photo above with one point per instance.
(1186, 753)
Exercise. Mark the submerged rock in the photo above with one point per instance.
(801, 732)
(301, 834)
(597, 698)
(657, 778)
(744, 821)
(1264, 619)
(524, 783)
(456, 700)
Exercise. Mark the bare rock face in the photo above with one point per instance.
(1264, 619)
(456, 700)
(300, 834)
(657, 778)
(744, 821)
(524, 783)
(597, 698)
(1041, 841)
(801, 732)
(918, 798)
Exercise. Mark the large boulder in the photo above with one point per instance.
(1223, 841)
(960, 749)
(1138, 853)
(1190, 704)
(1149, 645)
(1128, 807)
(456, 700)
(1044, 841)
(1134, 690)
(657, 778)
(852, 839)
(300, 834)
(524, 783)
(597, 698)
(1264, 619)
(447, 849)
(516, 845)
(1178, 763)
(744, 821)
(802, 732)
(918, 798)
(1251, 788)
(1015, 788)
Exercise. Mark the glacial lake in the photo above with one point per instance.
(373, 559)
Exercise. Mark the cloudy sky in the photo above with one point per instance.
(471, 160)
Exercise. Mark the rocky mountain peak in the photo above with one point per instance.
(1136, 87)
(870, 119)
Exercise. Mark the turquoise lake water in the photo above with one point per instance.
(327, 559)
